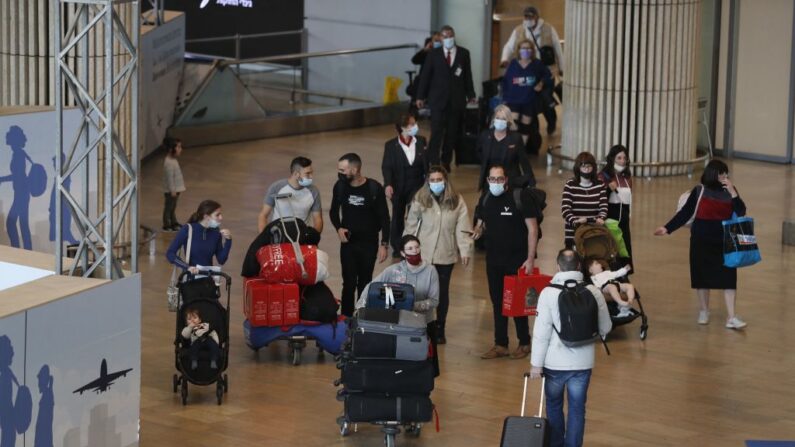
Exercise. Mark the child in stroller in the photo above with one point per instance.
(200, 336)
(606, 280)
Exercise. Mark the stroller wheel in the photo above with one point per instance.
(644, 330)
(184, 392)
(345, 428)
(219, 393)
(226, 384)
(176, 383)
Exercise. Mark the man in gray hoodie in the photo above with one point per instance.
(565, 368)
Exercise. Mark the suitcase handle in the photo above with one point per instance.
(524, 395)
(521, 272)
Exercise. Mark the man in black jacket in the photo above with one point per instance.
(446, 83)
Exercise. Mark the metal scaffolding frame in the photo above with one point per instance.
(98, 133)
(156, 12)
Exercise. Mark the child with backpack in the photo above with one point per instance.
(605, 280)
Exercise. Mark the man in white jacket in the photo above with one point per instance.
(565, 368)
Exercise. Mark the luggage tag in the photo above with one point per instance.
(458, 71)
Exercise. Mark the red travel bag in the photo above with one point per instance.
(520, 293)
(267, 304)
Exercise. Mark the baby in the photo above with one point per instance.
(200, 336)
(605, 280)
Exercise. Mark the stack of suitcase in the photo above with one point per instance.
(385, 371)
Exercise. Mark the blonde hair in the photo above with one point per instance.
(449, 198)
(503, 109)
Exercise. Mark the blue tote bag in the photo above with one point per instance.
(739, 242)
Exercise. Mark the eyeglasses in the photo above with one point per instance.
(496, 179)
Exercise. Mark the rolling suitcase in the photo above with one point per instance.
(466, 147)
(389, 335)
(376, 408)
(383, 295)
(387, 376)
(521, 431)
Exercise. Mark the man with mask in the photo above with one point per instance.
(511, 221)
(446, 84)
(303, 201)
(542, 34)
(364, 212)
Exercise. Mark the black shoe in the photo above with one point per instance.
(441, 340)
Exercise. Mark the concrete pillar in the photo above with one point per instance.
(631, 80)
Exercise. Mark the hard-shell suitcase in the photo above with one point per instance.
(387, 376)
(375, 408)
(521, 431)
(388, 295)
(388, 334)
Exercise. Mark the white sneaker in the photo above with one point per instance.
(623, 311)
(735, 323)
(703, 317)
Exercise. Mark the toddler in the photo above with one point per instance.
(200, 336)
(605, 280)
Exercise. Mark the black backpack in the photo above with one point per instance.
(579, 315)
(318, 304)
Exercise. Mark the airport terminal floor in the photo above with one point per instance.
(686, 385)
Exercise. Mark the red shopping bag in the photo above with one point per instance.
(520, 292)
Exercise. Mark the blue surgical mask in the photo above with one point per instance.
(305, 182)
(496, 189)
(437, 44)
(500, 124)
(413, 130)
(436, 187)
(212, 223)
(525, 53)
(449, 42)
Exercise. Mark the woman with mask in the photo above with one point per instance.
(438, 216)
(501, 145)
(584, 197)
(617, 176)
(522, 85)
(208, 239)
(404, 165)
(422, 276)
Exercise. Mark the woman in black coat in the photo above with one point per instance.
(404, 167)
(501, 145)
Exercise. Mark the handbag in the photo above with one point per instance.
(618, 235)
(172, 292)
(739, 242)
(546, 53)
(521, 292)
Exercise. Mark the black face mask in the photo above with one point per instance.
(344, 178)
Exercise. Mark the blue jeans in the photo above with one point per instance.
(563, 433)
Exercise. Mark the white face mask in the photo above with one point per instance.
(618, 167)
(526, 23)
(212, 223)
(530, 23)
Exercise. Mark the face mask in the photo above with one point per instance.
(212, 223)
(496, 189)
(500, 124)
(531, 23)
(437, 44)
(525, 53)
(344, 178)
(449, 42)
(414, 259)
(413, 130)
(526, 23)
(305, 182)
(436, 187)
(619, 168)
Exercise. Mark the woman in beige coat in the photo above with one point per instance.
(438, 216)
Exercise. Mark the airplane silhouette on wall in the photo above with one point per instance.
(104, 381)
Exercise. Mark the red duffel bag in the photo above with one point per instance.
(520, 292)
(279, 264)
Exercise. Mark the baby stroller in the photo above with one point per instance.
(596, 242)
(203, 295)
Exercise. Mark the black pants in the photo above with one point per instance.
(209, 344)
(445, 271)
(495, 274)
(357, 257)
(620, 213)
(400, 201)
(169, 210)
(445, 134)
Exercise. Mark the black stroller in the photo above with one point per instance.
(596, 242)
(203, 295)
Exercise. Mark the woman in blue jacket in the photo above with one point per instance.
(522, 83)
(208, 239)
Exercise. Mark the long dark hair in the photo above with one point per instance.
(206, 207)
(584, 158)
(170, 145)
(710, 177)
(611, 160)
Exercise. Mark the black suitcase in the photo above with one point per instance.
(402, 296)
(388, 334)
(521, 431)
(388, 376)
(466, 149)
(377, 408)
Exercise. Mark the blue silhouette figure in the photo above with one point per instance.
(25, 186)
(66, 210)
(46, 408)
(14, 416)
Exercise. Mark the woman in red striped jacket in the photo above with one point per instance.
(584, 197)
